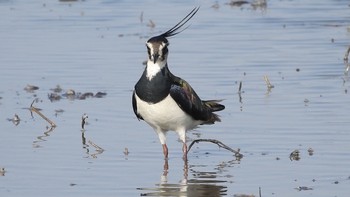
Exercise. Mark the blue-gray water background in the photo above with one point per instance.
(99, 46)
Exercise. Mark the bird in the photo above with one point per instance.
(167, 102)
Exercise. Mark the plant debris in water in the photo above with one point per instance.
(31, 88)
(72, 95)
(303, 188)
(34, 109)
(243, 195)
(237, 153)
(254, 4)
(15, 120)
(295, 155)
(310, 151)
(268, 84)
(57, 93)
(2, 171)
(126, 151)
(83, 121)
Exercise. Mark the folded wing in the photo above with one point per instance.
(189, 102)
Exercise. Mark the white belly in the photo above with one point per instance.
(166, 115)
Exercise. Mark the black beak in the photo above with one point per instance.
(155, 57)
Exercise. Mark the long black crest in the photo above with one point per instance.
(174, 30)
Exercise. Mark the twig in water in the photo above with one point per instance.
(151, 24)
(32, 108)
(41, 138)
(141, 17)
(83, 120)
(268, 84)
(346, 57)
(240, 87)
(240, 91)
(98, 148)
(259, 191)
(347, 67)
(126, 151)
(238, 155)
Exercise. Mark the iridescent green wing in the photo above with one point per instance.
(188, 100)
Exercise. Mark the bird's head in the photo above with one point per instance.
(157, 49)
(157, 46)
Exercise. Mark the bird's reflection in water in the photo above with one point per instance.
(202, 184)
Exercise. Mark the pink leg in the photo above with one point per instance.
(165, 150)
(166, 167)
(184, 150)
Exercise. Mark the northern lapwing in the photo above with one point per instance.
(167, 102)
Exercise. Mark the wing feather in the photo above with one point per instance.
(134, 106)
(189, 102)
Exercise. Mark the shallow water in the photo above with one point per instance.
(98, 46)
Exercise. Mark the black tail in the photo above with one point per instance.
(214, 105)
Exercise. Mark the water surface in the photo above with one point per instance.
(98, 46)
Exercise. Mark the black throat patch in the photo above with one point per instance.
(156, 89)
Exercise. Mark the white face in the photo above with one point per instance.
(157, 57)
(157, 51)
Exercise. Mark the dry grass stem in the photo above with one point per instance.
(240, 87)
(98, 148)
(346, 57)
(33, 109)
(268, 84)
(259, 191)
(83, 121)
(238, 155)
